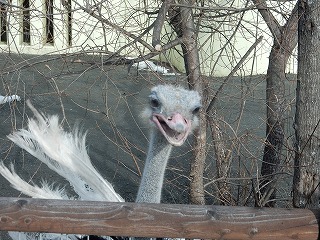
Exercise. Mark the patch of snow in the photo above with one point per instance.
(9, 99)
(151, 66)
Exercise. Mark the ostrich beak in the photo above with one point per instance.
(174, 128)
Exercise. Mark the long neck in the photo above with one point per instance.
(155, 165)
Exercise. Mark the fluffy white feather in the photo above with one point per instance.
(65, 153)
(43, 236)
(46, 191)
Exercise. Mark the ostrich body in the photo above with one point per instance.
(172, 115)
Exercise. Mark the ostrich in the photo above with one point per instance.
(172, 116)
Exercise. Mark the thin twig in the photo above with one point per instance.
(254, 45)
(158, 24)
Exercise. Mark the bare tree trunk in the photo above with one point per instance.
(307, 159)
(275, 98)
(285, 39)
(195, 81)
(183, 23)
(222, 155)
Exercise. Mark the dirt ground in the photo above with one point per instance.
(107, 101)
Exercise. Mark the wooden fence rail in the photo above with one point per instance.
(157, 220)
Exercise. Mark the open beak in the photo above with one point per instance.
(174, 128)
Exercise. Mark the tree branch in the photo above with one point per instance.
(92, 13)
(158, 24)
(268, 17)
(210, 106)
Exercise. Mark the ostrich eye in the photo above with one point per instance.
(196, 110)
(154, 103)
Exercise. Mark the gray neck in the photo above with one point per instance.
(155, 165)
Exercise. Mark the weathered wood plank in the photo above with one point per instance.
(157, 220)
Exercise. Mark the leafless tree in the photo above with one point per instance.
(284, 42)
(306, 172)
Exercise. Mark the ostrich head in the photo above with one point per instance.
(173, 112)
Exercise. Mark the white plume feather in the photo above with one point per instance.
(66, 154)
(46, 191)
(43, 236)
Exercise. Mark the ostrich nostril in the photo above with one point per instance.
(169, 118)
